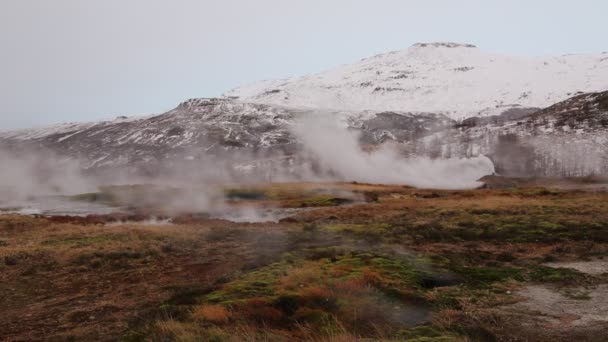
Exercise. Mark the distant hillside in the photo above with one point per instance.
(459, 80)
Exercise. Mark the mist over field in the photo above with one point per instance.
(25, 174)
(327, 152)
(338, 150)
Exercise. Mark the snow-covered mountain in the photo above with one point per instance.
(459, 80)
(436, 100)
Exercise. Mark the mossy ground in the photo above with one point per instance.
(409, 265)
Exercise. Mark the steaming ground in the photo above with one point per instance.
(352, 261)
(39, 182)
(211, 256)
(33, 173)
(56, 206)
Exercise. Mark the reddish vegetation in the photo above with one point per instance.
(71, 280)
(216, 314)
(329, 274)
(260, 311)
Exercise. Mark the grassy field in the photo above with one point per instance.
(362, 262)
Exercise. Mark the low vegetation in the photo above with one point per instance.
(362, 262)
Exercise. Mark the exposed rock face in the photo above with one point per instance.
(568, 138)
(199, 128)
(401, 127)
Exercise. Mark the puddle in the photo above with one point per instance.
(408, 315)
(440, 279)
(258, 215)
(57, 206)
(149, 222)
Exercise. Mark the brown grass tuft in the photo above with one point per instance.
(260, 311)
(216, 314)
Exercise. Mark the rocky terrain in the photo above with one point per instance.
(199, 129)
(568, 138)
(439, 100)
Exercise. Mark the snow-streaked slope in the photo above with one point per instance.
(201, 127)
(459, 80)
(62, 128)
(569, 138)
(196, 126)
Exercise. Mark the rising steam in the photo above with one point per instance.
(26, 173)
(328, 152)
(337, 150)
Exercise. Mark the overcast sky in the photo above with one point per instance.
(82, 60)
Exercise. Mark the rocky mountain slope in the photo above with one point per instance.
(417, 98)
(568, 138)
(201, 128)
(459, 80)
(194, 128)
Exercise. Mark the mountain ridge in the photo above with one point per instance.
(458, 80)
(568, 137)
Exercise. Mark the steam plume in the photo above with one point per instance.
(337, 150)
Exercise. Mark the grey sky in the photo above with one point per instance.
(80, 60)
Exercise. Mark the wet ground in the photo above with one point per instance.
(565, 312)
(57, 206)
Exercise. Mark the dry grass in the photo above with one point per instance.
(339, 278)
(134, 267)
(216, 314)
(176, 330)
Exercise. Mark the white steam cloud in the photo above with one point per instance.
(338, 151)
(27, 173)
(38, 179)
